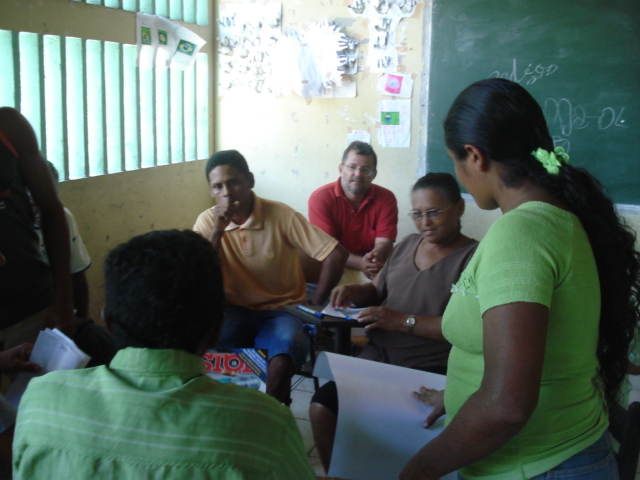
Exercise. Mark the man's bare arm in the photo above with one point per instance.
(330, 274)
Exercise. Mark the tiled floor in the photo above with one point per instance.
(301, 396)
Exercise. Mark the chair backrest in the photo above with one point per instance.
(624, 425)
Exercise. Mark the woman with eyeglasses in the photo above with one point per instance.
(541, 319)
(405, 301)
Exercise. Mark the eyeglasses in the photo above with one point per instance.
(416, 215)
(366, 171)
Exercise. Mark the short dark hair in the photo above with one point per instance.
(361, 148)
(233, 158)
(163, 290)
(441, 181)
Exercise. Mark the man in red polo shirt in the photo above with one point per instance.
(362, 216)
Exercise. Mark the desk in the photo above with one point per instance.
(341, 325)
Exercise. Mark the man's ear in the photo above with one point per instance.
(251, 180)
(477, 159)
(460, 207)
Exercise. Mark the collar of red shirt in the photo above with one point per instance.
(369, 196)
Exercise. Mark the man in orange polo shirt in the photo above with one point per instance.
(258, 242)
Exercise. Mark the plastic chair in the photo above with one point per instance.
(624, 425)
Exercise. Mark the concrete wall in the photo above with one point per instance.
(294, 145)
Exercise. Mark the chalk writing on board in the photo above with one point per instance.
(529, 76)
(562, 115)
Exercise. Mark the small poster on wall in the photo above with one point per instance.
(395, 123)
(395, 85)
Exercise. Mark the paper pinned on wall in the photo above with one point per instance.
(384, 17)
(345, 90)
(163, 43)
(188, 44)
(166, 42)
(359, 135)
(395, 123)
(395, 84)
(250, 44)
(147, 40)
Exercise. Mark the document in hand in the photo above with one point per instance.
(351, 312)
(379, 422)
(53, 350)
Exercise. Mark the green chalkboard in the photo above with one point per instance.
(580, 59)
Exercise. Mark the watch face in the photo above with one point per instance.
(411, 321)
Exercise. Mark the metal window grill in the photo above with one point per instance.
(95, 112)
(190, 11)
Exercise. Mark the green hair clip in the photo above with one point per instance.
(552, 161)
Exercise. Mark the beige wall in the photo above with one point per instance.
(111, 209)
(292, 145)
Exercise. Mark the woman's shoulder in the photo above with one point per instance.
(534, 221)
(409, 241)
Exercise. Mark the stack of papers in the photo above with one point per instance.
(53, 350)
(348, 312)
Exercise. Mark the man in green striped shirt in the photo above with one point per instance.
(153, 413)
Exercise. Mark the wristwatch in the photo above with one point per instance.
(411, 323)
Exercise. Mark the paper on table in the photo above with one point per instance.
(377, 450)
(351, 312)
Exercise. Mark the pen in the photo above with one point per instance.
(310, 311)
(344, 315)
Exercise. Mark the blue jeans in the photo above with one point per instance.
(596, 462)
(276, 331)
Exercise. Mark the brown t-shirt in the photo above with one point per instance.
(405, 288)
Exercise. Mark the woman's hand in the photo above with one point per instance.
(434, 398)
(342, 296)
(384, 318)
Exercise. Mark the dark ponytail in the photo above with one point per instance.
(504, 121)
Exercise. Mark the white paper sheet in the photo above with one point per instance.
(351, 312)
(379, 423)
(147, 39)
(163, 43)
(384, 17)
(395, 123)
(53, 350)
(395, 85)
(359, 135)
(188, 44)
